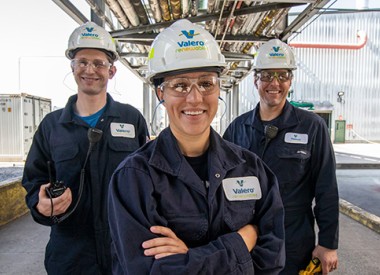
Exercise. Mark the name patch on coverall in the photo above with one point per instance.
(296, 138)
(242, 189)
(122, 130)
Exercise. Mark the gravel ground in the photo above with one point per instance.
(7, 173)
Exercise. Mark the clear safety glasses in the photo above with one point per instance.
(97, 65)
(268, 76)
(181, 87)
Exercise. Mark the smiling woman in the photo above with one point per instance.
(194, 203)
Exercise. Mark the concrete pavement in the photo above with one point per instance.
(22, 248)
(22, 242)
(360, 156)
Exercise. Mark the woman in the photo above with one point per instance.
(190, 202)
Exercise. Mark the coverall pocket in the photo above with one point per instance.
(120, 147)
(192, 229)
(239, 213)
(294, 159)
(123, 144)
(65, 157)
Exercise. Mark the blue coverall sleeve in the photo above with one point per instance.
(143, 133)
(326, 208)
(269, 253)
(133, 209)
(36, 173)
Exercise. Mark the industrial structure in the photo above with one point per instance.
(20, 115)
(328, 43)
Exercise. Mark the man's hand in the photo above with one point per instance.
(249, 233)
(60, 204)
(328, 258)
(164, 246)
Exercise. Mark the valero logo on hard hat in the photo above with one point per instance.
(190, 45)
(189, 34)
(183, 46)
(89, 34)
(277, 53)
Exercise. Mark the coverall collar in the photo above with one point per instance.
(68, 111)
(168, 158)
(287, 118)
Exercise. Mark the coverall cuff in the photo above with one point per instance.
(39, 218)
(329, 244)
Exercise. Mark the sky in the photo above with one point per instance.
(34, 40)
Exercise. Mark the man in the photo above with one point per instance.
(189, 202)
(296, 145)
(79, 147)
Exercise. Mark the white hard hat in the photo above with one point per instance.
(90, 35)
(275, 54)
(184, 46)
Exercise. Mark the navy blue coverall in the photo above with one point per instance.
(302, 158)
(81, 243)
(157, 186)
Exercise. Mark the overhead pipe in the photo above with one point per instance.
(155, 7)
(99, 13)
(194, 7)
(119, 13)
(279, 18)
(266, 22)
(175, 8)
(164, 5)
(361, 35)
(229, 20)
(210, 6)
(185, 8)
(219, 21)
(128, 9)
(140, 11)
(203, 17)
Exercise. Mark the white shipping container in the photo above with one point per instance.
(20, 115)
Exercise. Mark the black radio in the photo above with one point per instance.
(55, 189)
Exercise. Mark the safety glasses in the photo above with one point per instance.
(268, 76)
(181, 87)
(97, 65)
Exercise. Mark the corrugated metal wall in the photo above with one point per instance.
(322, 73)
(20, 115)
(11, 128)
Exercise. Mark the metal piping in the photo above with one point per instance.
(118, 12)
(164, 5)
(140, 11)
(220, 19)
(194, 7)
(361, 35)
(185, 8)
(266, 22)
(201, 18)
(155, 7)
(94, 7)
(228, 21)
(130, 12)
(176, 8)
